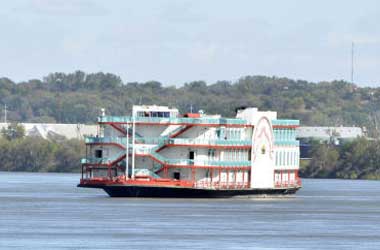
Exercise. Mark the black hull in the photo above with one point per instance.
(180, 192)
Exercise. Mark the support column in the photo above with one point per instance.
(109, 171)
(243, 173)
(235, 177)
(228, 177)
(193, 172)
(211, 175)
(219, 177)
(249, 178)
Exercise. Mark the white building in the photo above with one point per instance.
(54, 130)
(328, 133)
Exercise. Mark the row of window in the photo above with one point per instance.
(236, 155)
(287, 158)
(284, 134)
(231, 175)
(229, 155)
(284, 176)
(229, 133)
(153, 114)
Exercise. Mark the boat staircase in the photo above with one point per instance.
(159, 161)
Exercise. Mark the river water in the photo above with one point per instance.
(48, 211)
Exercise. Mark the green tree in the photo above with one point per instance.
(13, 131)
(324, 161)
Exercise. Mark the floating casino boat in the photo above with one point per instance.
(156, 152)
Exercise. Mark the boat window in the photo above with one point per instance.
(177, 175)
(98, 153)
(191, 155)
(217, 133)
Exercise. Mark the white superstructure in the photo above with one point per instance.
(255, 150)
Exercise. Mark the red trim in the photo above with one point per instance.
(176, 145)
(118, 128)
(107, 144)
(205, 167)
(208, 146)
(192, 115)
(139, 180)
(181, 131)
(285, 126)
(190, 124)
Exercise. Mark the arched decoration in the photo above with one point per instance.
(263, 131)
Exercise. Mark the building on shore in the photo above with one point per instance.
(56, 130)
(332, 135)
(329, 133)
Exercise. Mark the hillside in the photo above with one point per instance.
(78, 97)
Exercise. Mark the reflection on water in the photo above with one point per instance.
(47, 211)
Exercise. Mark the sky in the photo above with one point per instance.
(180, 41)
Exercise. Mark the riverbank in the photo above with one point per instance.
(358, 159)
(34, 154)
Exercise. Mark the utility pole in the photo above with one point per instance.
(5, 113)
(352, 62)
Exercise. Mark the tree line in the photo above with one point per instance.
(77, 98)
(35, 154)
(357, 159)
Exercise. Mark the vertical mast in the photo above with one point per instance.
(127, 155)
(133, 144)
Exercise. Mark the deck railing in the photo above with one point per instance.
(168, 161)
(118, 140)
(102, 160)
(284, 122)
(289, 143)
(221, 185)
(218, 142)
(173, 120)
(166, 140)
(159, 142)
